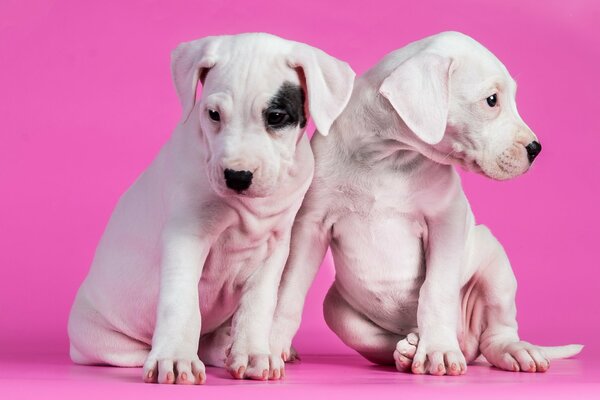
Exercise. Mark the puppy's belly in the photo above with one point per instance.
(380, 267)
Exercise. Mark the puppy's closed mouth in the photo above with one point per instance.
(246, 194)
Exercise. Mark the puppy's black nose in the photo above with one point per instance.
(238, 180)
(533, 149)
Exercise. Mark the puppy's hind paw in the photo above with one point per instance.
(518, 357)
(405, 351)
(293, 356)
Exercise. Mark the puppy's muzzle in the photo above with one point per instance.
(533, 149)
(238, 180)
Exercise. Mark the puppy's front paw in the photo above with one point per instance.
(174, 368)
(250, 366)
(517, 356)
(276, 366)
(438, 357)
(280, 354)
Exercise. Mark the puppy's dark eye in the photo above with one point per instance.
(492, 100)
(276, 118)
(214, 115)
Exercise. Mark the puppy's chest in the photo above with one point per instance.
(248, 241)
(241, 251)
(244, 246)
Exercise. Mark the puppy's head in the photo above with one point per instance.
(459, 101)
(258, 92)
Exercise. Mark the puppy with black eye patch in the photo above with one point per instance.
(189, 265)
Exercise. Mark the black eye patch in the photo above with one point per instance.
(286, 108)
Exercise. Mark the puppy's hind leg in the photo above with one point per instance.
(357, 331)
(94, 341)
(493, 304)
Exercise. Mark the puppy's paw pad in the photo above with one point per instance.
(405, 351)
(403, 363)
(408, 346)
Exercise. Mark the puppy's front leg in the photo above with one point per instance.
(251, 325)
(309, 243)
(174, 354)
(438, 351)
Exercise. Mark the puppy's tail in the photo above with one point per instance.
(567, 351)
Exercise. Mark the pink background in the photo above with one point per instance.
(86, 101)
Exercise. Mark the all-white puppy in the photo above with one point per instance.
(417, 282)
(190, 262)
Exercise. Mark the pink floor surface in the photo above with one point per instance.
(335, 376)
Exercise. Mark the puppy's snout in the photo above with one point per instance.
(238, 180)
(533, 149)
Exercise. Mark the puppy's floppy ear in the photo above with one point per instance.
(329, 83)
(190, 61)
(419, 91)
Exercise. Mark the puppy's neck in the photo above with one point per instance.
(371, 133)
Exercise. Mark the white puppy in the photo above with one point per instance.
(417, 282)
(190, 262)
